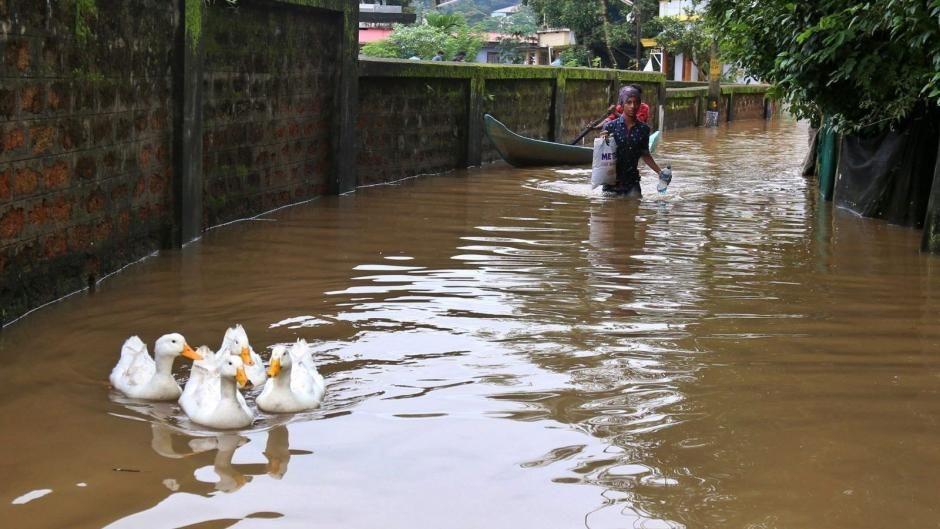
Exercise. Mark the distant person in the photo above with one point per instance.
(557, 61)
(439, 57)
(460, 57)
(633, 139)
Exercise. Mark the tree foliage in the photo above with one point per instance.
(449, 34)
(604, 29)
(691, 37)
(867, 64)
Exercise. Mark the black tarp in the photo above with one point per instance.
(888, 175)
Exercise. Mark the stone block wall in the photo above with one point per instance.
(410, 126)
(747, 106)
(525, 103)
(85, 142)
(585, 101)
(269, 103)
(684, 108)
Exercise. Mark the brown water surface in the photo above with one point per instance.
(505, 349)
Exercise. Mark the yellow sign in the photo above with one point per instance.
(714, 70)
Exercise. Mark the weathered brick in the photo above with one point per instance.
(5, 192)
(17, 54)
(13, 139)
(157, 184)
(57, 97)
(31, 99)
(119, 193)
(7, 103)
(60, 209)
(123, 221)
(94, 202)
(102, 230)
(57, 175)
(54, 246)
(86, 167)
(41, 139)
(74, 134)
(26, 181)
(145, 156)
(101, 130)
(11, 223)
(79, 238)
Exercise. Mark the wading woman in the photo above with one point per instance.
(632, 137)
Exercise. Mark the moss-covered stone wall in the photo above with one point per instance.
(410, 126)
(269, 92)
(747, 106)
(526, 104)
(86, 117)
(585, 101)
(684, 107)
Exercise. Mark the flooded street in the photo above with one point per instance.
(504, 348)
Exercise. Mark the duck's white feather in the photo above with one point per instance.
(135, 367)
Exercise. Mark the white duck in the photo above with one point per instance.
(295, 384)
(228, 409)
(141, 377)
(236, 341)
(204, 383)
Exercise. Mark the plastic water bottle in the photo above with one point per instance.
(665, 176)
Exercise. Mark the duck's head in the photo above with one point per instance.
(233, 367)
(279, 360)
(208, 357)
(174, 344)
(237, 340)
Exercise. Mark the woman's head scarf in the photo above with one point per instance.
(627, 92)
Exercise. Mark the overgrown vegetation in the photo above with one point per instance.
(604, 28)
(447, 33)
(691, 36)
(865, 64)
(86, 11)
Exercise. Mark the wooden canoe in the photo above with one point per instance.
(520, 151)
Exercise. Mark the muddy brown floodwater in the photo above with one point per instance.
(505, 349)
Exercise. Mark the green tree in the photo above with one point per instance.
(424, 41)
(604, 28)
(691, 37)
(864, 63)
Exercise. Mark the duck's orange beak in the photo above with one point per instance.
(189, 353)
(246, 357)
(275, 368)
(241, 377)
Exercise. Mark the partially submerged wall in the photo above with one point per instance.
(85, 143)
(268, 107)
(103, 107)
(133, 126)
(686, 105)
(422, 117)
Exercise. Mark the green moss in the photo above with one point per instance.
(686, 93)
(745, 89)
(79, 74)
(85, 10)
(373, 67)
(193, 22)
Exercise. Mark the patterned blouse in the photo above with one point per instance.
(631, 146)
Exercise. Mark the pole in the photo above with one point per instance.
(714, 87)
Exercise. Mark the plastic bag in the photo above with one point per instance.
(604, 168)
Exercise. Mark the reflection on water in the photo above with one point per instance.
(508, 348)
